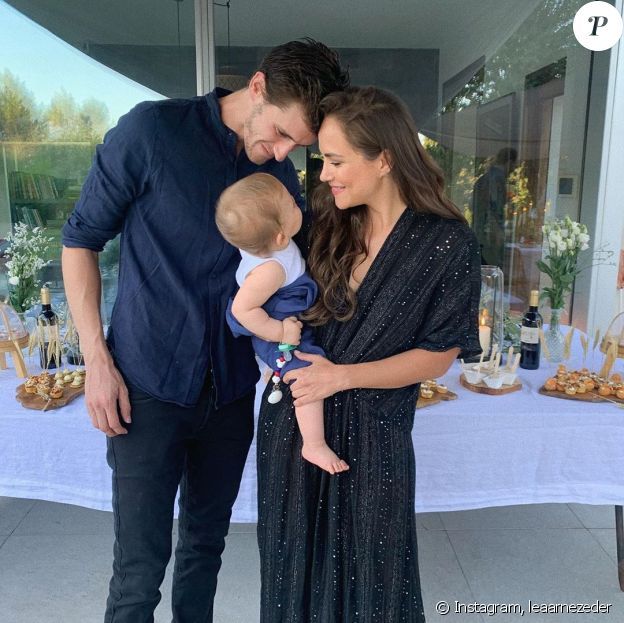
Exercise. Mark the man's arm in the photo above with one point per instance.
(104, 386)
(259, 285)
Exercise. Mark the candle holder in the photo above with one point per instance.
(491, 326)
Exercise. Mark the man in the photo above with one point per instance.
(488, 206)
(170, 386)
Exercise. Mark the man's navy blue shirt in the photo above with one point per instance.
(156, 179)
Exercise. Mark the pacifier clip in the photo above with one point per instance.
(285, 355)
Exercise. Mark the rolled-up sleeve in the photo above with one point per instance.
(120, 173)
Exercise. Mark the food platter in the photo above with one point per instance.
(584, 386)
(39, 392)
(432, 393)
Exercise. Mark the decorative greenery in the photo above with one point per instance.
(27, 249)
(512, 325)
(564, 239)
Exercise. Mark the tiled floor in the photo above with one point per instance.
(55, 564)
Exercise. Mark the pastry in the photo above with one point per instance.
(551, 384)
(56, 392)
(604, 390)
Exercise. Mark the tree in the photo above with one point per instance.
(66, 121)
(18, 111)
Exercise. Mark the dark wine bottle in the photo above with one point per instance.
(529, 335)
(49, 336)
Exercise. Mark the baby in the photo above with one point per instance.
(258, 215)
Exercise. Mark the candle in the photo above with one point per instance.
(485, 332)
(484, 338)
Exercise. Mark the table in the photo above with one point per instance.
(475, 452)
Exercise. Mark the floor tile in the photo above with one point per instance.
(238, 595)
(53, 555)
(520, 517)
(238, 528)
(54, 578)
(12, 511)
(606, 538)
(442, 580)
(51, 518)
(429, 521)
(594, 516)
(545, 566)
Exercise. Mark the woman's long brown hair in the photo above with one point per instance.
(374, 121)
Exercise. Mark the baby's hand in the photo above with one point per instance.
(291, 331)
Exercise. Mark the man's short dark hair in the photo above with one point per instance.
(302, 72)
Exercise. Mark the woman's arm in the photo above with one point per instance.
(259, 286)
(323, 378)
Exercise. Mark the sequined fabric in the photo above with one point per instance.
(342, 549)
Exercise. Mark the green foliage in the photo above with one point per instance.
(27, 250)
(21, 120)
(18, 111)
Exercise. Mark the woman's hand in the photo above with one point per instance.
(319, 380)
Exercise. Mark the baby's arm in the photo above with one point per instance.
(259, 285)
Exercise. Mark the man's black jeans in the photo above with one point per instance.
(201, 449)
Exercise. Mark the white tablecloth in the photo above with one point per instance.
(474, 452)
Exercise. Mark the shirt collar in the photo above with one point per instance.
(226, 136)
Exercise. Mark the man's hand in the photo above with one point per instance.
(317, 381)
(106, 396)
(291, 331)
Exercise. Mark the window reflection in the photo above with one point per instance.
(57, 101)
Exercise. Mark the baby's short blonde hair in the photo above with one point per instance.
(249, 212)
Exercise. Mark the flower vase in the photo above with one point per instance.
(554, 338)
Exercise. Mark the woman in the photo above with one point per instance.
(398, 272)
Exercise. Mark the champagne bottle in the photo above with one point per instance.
(529, 335)
(49, 336)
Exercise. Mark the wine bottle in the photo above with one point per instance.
(529, 335)
(49, 336)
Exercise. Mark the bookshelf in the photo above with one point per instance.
(42, 201)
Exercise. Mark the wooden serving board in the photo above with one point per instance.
(482, 388)
(34, 401)
(435, 399)
(586, 397)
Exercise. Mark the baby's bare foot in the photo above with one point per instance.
(324, 457)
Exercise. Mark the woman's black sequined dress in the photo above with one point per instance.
(342, 549)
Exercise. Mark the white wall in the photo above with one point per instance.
(603, 299)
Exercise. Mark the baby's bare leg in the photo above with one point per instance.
(315, 449)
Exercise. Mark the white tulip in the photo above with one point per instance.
(14, 281)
